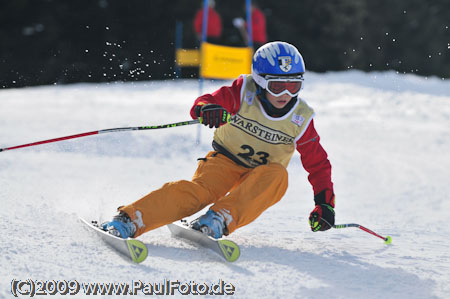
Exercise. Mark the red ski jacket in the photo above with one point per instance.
(214, 28)
(313, 157)
(259, 26)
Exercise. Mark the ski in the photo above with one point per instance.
(225, 248)
(130, 248)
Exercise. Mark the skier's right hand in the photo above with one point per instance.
(212, 115)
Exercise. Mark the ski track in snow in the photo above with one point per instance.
(387, 137)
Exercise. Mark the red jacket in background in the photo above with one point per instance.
(214, 23)
(259, 26)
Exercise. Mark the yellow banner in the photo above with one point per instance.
(187, 57)
(222, 62)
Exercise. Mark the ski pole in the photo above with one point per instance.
(387, 239)
(178, 124)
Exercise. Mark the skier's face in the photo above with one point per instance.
(280, 101)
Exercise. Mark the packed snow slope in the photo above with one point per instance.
(388, 139)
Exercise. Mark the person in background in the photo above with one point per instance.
(260, 121)
(258, 27)
(214, 28)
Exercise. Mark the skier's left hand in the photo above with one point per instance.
(322, 217)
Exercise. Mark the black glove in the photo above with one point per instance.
(322, 217)
(212, 114)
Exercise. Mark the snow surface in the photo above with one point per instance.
(387, 136)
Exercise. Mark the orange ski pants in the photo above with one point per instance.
(243, 192)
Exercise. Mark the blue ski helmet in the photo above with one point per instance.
(278, 58)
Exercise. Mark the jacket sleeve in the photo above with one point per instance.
(228, 97)
(315, 160)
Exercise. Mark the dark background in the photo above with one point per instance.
(66, 41)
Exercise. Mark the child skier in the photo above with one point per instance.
(259, 121)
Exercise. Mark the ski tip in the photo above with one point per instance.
(138, 250)
(230, 250)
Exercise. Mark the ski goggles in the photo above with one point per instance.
(278, 86)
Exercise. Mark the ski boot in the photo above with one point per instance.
(120, 226)
(211, 224)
